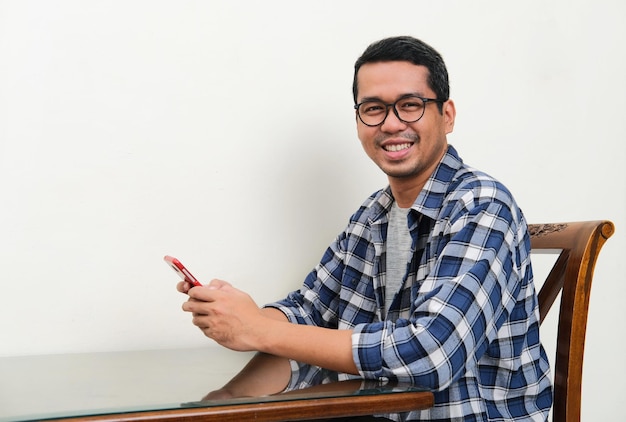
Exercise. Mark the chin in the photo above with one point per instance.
(401, 172)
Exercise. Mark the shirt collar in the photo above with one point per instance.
(430, 199)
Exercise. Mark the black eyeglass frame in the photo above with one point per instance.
(395, 110)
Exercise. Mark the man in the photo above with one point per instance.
(431, 280)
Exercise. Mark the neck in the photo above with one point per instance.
(406, 189)
(405, 192)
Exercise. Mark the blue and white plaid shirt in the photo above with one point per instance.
(465, 324)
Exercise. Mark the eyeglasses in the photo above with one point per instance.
(408, 109)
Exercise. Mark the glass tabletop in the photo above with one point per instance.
(84, 384)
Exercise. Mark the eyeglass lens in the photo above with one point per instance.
(408, 109)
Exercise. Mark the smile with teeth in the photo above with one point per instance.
(397, 147)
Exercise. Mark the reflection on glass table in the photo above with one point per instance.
(167, 384)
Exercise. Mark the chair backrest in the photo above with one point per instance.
(579, 244)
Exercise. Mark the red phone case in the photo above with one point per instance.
(181, 270)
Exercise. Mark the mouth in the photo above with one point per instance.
(397, 147)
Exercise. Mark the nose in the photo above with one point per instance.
(392, 122)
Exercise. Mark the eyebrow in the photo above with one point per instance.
(408, 94)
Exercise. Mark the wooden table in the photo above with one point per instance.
(170, 384)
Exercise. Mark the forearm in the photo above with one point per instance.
(327, 348)
(274, 313)
(324, 347)
(270, 373)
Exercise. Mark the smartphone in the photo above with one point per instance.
(181, 270)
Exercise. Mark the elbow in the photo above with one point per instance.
(433, 379)
(432, 369)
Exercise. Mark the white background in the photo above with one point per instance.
(223, 133)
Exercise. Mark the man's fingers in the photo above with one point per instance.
(218, 284)
(183, 286)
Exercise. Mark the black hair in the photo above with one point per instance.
(409, 49)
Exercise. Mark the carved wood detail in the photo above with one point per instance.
(544, 229)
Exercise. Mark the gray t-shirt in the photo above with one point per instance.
(398, 249)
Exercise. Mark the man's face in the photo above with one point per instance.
(404, 151)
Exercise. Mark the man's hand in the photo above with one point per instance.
(231, 318)
(226, 315)
(183, 286)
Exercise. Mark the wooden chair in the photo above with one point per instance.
(579, 244)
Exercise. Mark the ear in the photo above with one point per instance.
(449, 114)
